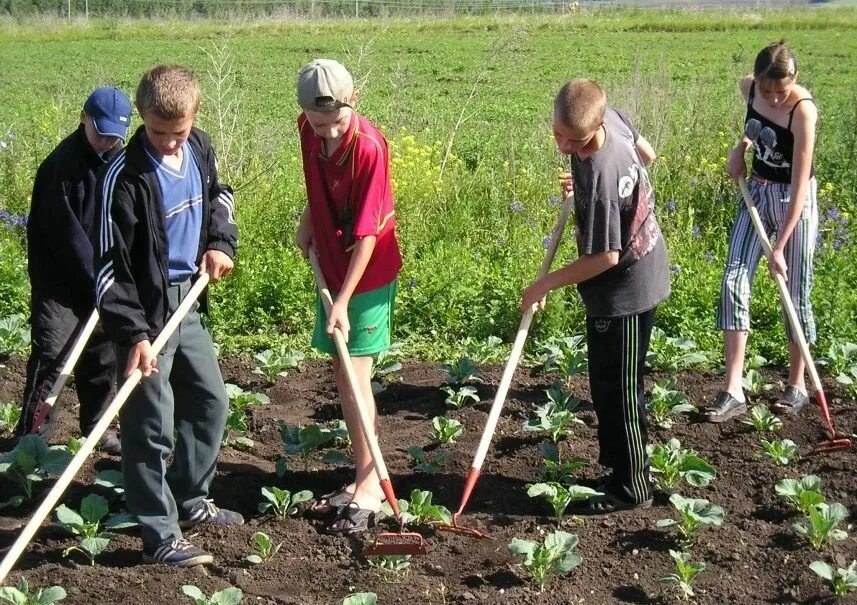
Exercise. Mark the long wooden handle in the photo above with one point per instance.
(785, 297)
(366, 424)
(89, 444)
(520, 339)
(44, 408)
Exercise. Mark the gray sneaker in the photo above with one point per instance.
(178, 552)
(205, 511)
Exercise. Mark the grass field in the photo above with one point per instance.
(466, 106)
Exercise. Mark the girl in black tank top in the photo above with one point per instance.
(773, 144)
(784, 193)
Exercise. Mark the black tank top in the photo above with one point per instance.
(773, 145)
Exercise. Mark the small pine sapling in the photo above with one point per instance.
(555, 556)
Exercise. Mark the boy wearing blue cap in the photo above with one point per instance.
(60, 264)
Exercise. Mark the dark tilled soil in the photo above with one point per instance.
(753, 558)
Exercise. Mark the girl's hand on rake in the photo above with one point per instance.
(339, 318)
(736, 165)
(777, 264)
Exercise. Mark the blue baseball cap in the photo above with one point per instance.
(110, 111)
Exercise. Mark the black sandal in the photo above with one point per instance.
(606, 504)
(725, 407)
(352, 520)
(790, 402)
(330, 504)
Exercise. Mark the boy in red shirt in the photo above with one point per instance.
(349, 221)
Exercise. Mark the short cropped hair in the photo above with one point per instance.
(169, 91)
(580, 104)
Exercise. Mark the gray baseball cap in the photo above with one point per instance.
(324, 85)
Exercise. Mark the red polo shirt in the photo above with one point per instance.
(357, 174)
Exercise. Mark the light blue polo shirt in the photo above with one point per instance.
(181, 192)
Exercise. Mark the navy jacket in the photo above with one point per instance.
(62, 214)
(131, 275)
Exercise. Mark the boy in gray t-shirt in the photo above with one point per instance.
(621, 275)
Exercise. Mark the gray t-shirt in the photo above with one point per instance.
(614, 210)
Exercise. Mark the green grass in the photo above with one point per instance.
(467, 256)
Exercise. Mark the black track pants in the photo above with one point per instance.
(617, 353)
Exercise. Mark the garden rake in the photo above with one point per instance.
(506, 381)
(386, 543)
(44, 414)
(91, 440)
(834, 442)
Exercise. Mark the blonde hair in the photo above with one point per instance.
(169, 91)
(775, 63)
(580, 104)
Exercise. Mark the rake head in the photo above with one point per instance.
(459, 529)
(396, 543)
(834, 442)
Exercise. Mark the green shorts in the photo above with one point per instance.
(371, 317)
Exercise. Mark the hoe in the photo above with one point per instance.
(91, 440)
(505, 383)
(45, 415)
(386, 543)
(834, 442)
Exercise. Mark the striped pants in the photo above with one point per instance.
(617, 349)
(745, 251)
